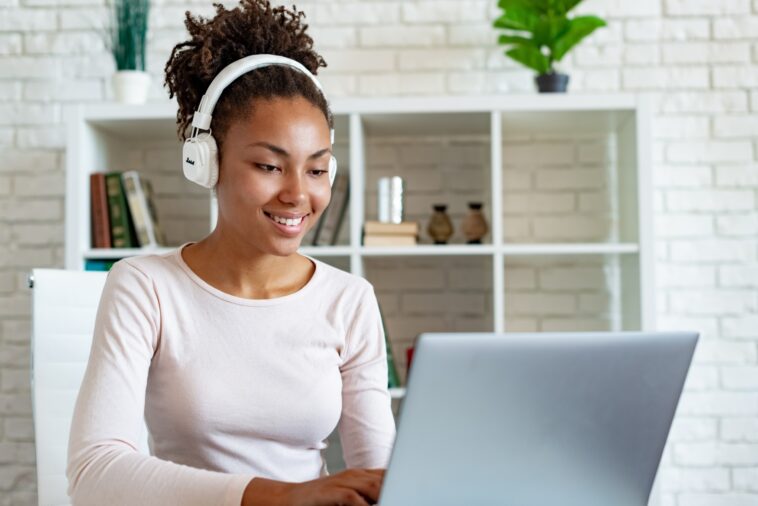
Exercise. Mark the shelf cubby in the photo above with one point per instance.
(564, 179)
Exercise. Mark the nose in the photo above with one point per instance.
(293, 189)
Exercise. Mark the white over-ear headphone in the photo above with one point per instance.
(200, 153)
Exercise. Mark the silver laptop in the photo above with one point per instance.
(547, 419)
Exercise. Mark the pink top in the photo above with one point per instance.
(230, 388)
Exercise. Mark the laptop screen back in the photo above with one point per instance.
(546, 419)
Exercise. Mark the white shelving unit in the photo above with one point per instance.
(114, 137)
(570, 246)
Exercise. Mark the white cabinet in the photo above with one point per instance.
(564, 179)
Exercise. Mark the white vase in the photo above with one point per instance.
(131, 86)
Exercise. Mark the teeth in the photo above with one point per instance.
(287, 221)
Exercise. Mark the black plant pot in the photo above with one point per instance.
(552, 83)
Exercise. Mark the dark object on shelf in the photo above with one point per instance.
(123, 234)
(440, 227)
(552, 83)
(99, 216)
(408, 360)
(474, 224)
(328, 226)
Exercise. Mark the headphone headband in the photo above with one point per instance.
(202, 117)
(200, 151)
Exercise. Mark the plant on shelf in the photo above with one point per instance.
(127, 40)
(540, 33)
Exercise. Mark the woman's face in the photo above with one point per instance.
(274, 167)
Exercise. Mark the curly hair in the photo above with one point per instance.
(253, 27)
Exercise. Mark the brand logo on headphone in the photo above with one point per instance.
(189, 161)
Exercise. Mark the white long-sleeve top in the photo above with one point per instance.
(230, 388)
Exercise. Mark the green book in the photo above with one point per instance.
(393, 379)
(121, 228)
(98, 265)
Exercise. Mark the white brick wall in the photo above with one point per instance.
(697, 59)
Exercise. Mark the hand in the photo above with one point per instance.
(353, 487)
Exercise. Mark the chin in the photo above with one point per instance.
(284, 250)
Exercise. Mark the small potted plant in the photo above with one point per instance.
(539, 33)
(127, 39)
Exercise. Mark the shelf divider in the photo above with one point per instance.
(496, 229)
(357, 189)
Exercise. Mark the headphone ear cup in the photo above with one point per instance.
(200, 160)
(332, 170)
(212, 162)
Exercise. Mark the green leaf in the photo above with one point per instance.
(128, 31)
(508, 24)
(563, 7)
(548, 29)
(514, 39)
(517, 17)
(519, 4)
(579, 28)
(531, 57)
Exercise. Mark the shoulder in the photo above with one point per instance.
(341, 281)
(151, 266)
(147, 271)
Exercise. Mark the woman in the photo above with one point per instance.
(241, 354)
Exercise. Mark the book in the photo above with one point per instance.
(99, 217)
(379, 228)
(98, 265)
(142, 209)
(122, 228)
(393, 378)
(147, 188)
(329, 224)
(389, 240)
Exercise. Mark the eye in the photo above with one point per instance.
(266, 168)
(319, 172)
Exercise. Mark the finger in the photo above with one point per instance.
(374, 472)
(367, 486)
(358, 472)
(349, 497)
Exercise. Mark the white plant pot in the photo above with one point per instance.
(131, 86)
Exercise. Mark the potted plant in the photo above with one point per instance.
(540, 33)
(127, 39)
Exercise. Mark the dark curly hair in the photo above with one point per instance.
(253, 27)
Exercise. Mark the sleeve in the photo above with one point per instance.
(104, 464)
(366, 427)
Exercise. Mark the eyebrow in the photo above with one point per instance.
(283, 152)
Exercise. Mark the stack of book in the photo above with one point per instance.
(377, 233)
(122, 210)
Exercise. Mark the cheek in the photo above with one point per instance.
(323, 196)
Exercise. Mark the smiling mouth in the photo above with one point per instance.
(288, 222)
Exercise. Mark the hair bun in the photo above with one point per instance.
(253, 27)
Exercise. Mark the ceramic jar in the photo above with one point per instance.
(474, 224)
(440, 227)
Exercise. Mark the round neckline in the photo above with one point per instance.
(243, 301)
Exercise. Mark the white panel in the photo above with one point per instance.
(64, 305)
